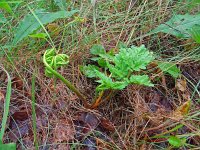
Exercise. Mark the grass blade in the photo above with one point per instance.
(6, 106)
(9, 146)
(33, 111)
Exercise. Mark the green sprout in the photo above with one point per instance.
(114, 71)
(52, 62)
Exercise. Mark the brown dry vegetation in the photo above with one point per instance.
(131, 118)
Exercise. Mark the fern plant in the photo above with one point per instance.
(52, 62)
(121, 69)
(117, 71)
(113, 72)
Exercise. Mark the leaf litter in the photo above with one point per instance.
(156, 107)
(92, 130)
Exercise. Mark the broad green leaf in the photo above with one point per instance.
(107, 83)
(129, 60)
(114, 85)
(38, 35)
(135, 58)
(97, 49)
(102, 63)
(179, 25)
(118, 73)
(95, 58)
(4, 5)
(30, 23)
(195, 33)
(119, 67)
(89, 70)
(176, 142)
(169, 68)
(107, 57)
(9, 146)
(61, 4)
(141, 80)
(101, 52)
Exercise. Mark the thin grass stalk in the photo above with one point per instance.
(34, 112)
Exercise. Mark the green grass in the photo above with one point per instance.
(34, 112)
(107, 23)
(6, 106)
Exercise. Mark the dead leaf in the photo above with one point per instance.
(181, 85)
(1, 96)
(101, 144)
(89, 143)
(63, 147)
(17, 83)
(155, 70)
(28, 142)
(182, 110)
(19, 129)
(64, 131)
(90, 119)
(186, 96)
(53, 28)
(189, 44)
(106, 124)
(20, 124)
(2, 99)
(143, 146)
(20, 115)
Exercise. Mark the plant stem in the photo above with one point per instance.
(34, 111)
(111, 93)
(97, 101)
(66, 82)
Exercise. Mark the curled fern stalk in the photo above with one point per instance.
(52, 62)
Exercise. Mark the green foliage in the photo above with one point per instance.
(141, 80)
(33, 105)
(179, 25)
(9, 146)
(195, 33)
(97, 50)
(55, 61)
(169, 68)
(52, 61)
(2, 18)
(118, 68)
(30, 23)
(61, 4)
(193, 3)
(38, 35)
(6, 106)
(89, 70)
(176, 142)
(4, 5)
(101, 54)
(107, 82)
